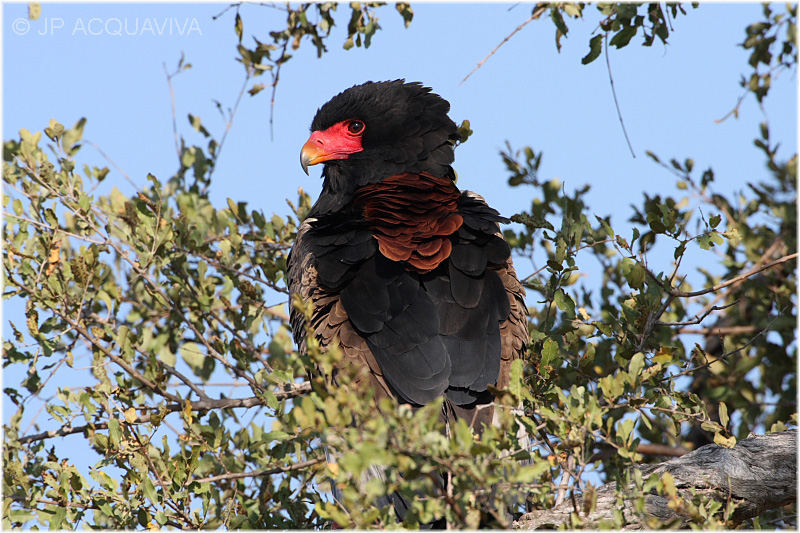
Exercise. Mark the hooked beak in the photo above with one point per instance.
(305, 160)
(316, 151)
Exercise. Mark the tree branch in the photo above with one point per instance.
(718, 330)
(727, 354)
(265, 472)
(758, 474)
(199, 406)
(754, 271)
(537, 12)
(616, 102)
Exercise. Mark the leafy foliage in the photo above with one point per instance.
(146, 300)
(620, 20)
(309, 20)
(776, 33)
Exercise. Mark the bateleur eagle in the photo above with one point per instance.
(410, 275)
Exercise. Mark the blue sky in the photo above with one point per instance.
(68, 65)
(527, 93)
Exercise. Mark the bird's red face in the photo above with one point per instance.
(337, 142)
(375, 130)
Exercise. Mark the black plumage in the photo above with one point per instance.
(411, 275)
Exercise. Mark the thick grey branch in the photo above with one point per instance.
(758, 474)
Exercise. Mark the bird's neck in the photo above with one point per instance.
(340, 188)
(412, 217)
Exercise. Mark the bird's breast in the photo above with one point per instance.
(412, 216)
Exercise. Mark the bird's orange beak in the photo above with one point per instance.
(314, 152)
(327, 145)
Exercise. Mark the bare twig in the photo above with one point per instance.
(231, 6)
(257, 473)
(537, 12)
(49, 228)
(672, 293)
(174, 111)
(565, 485)
(275, 77)
(735, 111)
(171, 370)
(112, 163)
(289, 391)
(721, 330)
(752, 272)
(143, 450)
(662, 449)
(78, 327)
(229, 121)
(448, 498)
(767, 253)
(616, 102)
(728, 354)
(698, 318)
(44, 501)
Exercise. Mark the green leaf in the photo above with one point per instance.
(623, 37)
(114, 431)
(549, 354)
(636, 365)
(464, 131)
(637, 276)
(595, 47)
(55, 130)
(256, 88)
(239, 29)
(406, 12)
(272, 400)
(149, 490)
(59, 517)
(663, 356)
(655, 223)
(561, 27)
(679, 250)
(565, 303)
(71, 137)
(606, 226)
(275, 436)
(532, 221)
(104, 479)
(530, 474)
(625, 428)
(193, 356)
(612, 386)
(723, 414)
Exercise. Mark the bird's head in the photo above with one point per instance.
(375, 130)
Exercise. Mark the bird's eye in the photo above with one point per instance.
(355, 127)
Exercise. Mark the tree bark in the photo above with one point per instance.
(758, 474)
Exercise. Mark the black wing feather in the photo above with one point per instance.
(431, 334)
(466, 289)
